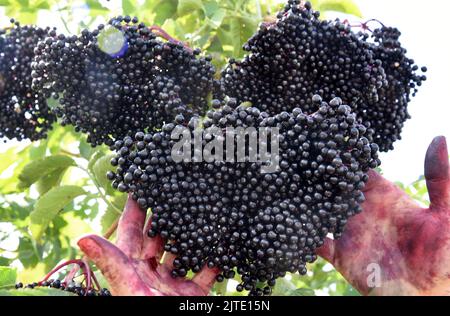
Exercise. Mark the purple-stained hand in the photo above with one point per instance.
(133, 266)
(408, 245)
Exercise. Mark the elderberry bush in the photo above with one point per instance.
(233, 216)
(300, 55)
(24, 113)
(120, 78)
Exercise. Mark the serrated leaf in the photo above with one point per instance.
(187, 6)
(41, 168)
(8, 277)
(36, 292)
(344, 6)
(50, 180)
(100, 169)
(49, 205)
(302, 292)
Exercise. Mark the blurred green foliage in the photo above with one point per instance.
(55, 190)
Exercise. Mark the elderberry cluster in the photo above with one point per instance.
(120, 78)
(301, 55)
(24, 113)
(233, 216)
(389, 112)
(72, 287)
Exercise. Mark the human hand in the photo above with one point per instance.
(133, 266)
(409, 245)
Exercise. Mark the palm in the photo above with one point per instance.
(134, 266)
(410, 244)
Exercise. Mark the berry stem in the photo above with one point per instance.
(157, 30)
(59, 267)
(112, 229)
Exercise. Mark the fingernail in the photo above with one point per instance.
(91, 248)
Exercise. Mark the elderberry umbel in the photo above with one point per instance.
(24, 113)
(121, 78)
(233, 216)
(300, 55)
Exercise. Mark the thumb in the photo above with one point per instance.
(437, 174)
(115, 266)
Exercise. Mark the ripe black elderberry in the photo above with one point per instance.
(233, 216)
(24, 113)
(76, 288)
(301, 55)
(389, 111)
(119, 78)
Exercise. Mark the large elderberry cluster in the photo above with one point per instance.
(233, 216)
(120, 78)
(24, 113)
(301, 55)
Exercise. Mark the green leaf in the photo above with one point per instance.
(302, 292)
(28, 255)
(282, 287)
(128, 7)
(8, 158)
(8, 277)
(36, 292)
(94, 157)
(50, 180)
(187, 6)
(344, 6)
(100, 169)
(95, 5)
(4, 261)
(41, 5)
(217, 18)
(39, 151)
(164, 9)
(235, 36)
(41, 168)
(4, 3)
(85, 149)
(110, 216)
(49, 205)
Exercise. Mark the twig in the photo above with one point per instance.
(112, 229)
(158, 31)
(70, 153)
